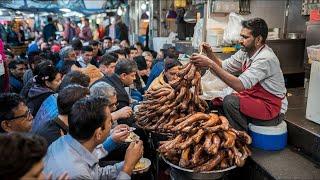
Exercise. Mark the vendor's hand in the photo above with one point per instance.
(120, 133)
(206, 48)
(133, 154)
(201, 60)
(122, 113)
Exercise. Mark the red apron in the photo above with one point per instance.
(258, 103)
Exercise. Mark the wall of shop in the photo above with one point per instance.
(296, 21)
(273, 11)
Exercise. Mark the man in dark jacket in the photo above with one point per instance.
(49, 30)
(17, 69)
(125, 74)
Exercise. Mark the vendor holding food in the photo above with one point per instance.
(260, 97)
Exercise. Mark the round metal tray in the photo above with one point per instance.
(183, 173)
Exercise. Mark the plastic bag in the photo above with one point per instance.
(213, 87)
(197, 34)
(232, 31)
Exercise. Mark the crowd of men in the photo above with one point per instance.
(70, 104)
(76, 101)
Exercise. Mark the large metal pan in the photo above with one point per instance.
(179, 173)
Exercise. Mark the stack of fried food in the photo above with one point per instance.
(211, 145)
(168, 104)
(202, 142)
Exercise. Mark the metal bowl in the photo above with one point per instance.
(293, 35)
(183, 173)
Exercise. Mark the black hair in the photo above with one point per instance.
(154, 54)
(139, 44)
(125, 66)
(51, 39)
(13, 64)
(141, 62)
(19, 152)
(93, 43)
(132, 48)
(75, 77)
(170, 63)
(107, 59)
(63, 39)
(76, 44)
(127, 51)
(86, 49)
(170, 52)
(31, 56)
(87, 115)
(8, 102)
(38, 66)
(258, 27)
(115, 55)
(49, 19)
(107, 38)
(68, 96)
(46, 72)
(121, 51)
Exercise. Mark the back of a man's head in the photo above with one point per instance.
(76, 44)
(64, 52)
(68, 96)
(86, 116)
(75, 77)
(49, 19)
(107, 59)
(102, 89)
(20, 153)
(125, 66)
(86, 49)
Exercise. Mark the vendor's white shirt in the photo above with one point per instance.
(264, 68)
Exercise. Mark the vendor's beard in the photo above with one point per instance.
(248, 48)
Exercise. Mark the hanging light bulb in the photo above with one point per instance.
(143, 6)
(119, 11)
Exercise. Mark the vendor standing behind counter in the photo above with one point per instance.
(260, 97)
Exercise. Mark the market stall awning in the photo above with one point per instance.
(86, 7)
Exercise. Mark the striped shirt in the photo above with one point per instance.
(263, 67)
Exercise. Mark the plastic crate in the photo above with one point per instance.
(314, 52)
(315, 15)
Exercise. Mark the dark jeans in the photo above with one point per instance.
(231, 109)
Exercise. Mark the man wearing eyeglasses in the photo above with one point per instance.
(14, 114)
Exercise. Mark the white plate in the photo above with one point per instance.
(147, 163)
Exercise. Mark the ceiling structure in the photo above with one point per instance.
(86, 7)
